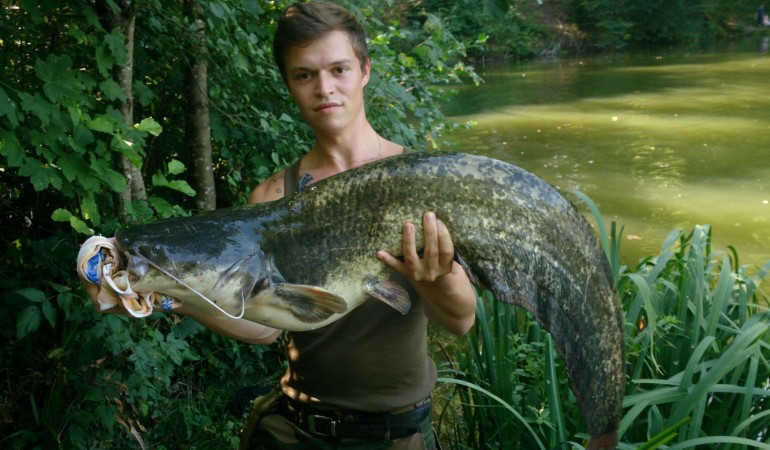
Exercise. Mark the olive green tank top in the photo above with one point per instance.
(373, 359)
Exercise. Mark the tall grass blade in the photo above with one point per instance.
(497, 399)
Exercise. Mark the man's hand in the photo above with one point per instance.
(438, 251)
(449, 298)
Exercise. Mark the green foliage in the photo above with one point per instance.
(502, 397)
(77, 379)
(509, 29)
(697, 340)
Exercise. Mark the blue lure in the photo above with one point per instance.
(92, 268)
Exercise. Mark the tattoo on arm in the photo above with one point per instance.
(275, 180)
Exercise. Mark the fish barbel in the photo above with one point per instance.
(308, 259)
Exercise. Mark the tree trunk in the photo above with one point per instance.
(124, 19)
(197, 123)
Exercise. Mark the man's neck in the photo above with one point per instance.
(344, 152)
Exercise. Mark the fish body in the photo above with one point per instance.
(308, 259)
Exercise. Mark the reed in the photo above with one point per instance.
(697, 341)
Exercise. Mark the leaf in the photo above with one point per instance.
(7, 108)
(112, 90)
(32, 294)
(101, 124)
(149, 125)
(159, 180)
(104, 61)
(41, 176)
(110, 177)
(61, 215)
(142, 94)
(38, 106)
(10, 147)
(116, 42)
(49, 312)
(182, 186)
(139, 210)
(127, 149)
(80, 226)
(73, 167)
(59, 80)
(164, 208)
(28, 321)
(90, 210)
(176, 167)
(217, 9)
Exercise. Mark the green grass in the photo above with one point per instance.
(697, 341)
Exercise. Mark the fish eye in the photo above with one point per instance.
(155, 249)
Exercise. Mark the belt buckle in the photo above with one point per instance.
(322, 425)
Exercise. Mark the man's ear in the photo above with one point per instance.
(366, 70)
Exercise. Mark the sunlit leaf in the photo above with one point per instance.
(61, 215)
(176, 167)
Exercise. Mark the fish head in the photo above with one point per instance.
(197, 265)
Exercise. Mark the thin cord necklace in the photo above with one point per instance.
(379, 155)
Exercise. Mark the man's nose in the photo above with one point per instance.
(325, 85)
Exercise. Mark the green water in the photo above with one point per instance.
(660, 142)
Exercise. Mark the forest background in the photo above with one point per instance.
(120, 111)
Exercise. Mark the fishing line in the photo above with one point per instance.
(195, 291)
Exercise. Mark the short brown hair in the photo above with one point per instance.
(302, 23)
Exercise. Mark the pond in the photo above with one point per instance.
(659, 141)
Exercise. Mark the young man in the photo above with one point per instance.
(364, 381)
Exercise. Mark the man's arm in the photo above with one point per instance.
(448, 296)
(240, 329)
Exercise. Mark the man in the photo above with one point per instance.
(364, 381)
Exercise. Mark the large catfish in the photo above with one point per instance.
(306, 260)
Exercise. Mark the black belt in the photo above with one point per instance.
(356, 424)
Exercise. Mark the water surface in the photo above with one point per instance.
(659, 141)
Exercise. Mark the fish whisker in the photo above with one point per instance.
(199, 294)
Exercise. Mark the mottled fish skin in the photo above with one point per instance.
(519, 238)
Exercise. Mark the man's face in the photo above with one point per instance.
(327, 82)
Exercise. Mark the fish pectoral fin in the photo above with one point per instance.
(310, 303)
(391, 293)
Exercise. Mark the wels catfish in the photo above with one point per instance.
(306, 260)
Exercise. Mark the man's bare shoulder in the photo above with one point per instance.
(269, 190)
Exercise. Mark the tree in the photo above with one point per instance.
(121, 16)
(197, 123)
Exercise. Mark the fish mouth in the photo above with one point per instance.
(136, 266)
(238, 280)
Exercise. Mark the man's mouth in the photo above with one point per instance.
(325, 107)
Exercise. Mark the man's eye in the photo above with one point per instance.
(341, 70)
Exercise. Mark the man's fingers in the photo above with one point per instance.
(430, 235)
(390, 261)
(409, 238)
(445, 244)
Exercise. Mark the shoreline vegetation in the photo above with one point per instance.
(94, 133)
(696, 349)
